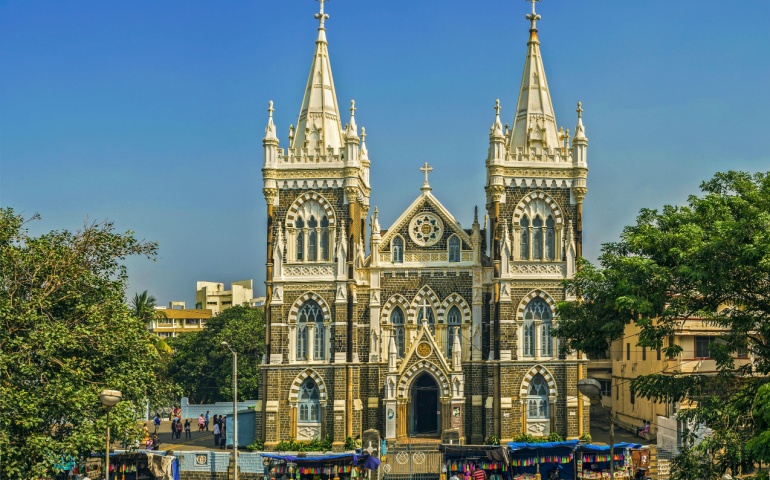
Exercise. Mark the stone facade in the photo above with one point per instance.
(426, 327)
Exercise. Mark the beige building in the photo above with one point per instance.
(177, 319)
(213, 296)
(629, 361)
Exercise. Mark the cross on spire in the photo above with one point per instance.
(426, 169)
(321, 16)
(580, 110)
(270, 109)
(497, 107)
(532, 17)
(352, 108)
(424, 306)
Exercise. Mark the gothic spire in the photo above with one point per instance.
(534, 124)
(319, 119)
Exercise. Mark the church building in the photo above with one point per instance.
(424, 329)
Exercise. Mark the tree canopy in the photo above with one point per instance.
(66, 335)
(202, 367)
(708, 259)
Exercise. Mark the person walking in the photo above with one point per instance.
(178, 428)
(222, 433)
(216, 432)
(201, 423)
(207, 420)
(156, 422)
(187, 431)
(173, 426)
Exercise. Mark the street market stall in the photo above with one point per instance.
(461, 460)
(317, 466)
(548, 459)
(593, 461)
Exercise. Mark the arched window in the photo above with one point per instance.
(309, 402)
(397, 250)
(425, 311)
(524, 242)
(397, 320)
(550, 239)
(300, 226)
(537, 397)
(453, 322)
(312, 240)
(546, 340)
(454, 249)
(325, 239)
(529, 338)
(538, 310)
(537, 238)
(309, 313)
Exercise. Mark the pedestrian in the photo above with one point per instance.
(207, 420)
(178, 428)
(187, 431)
(156, 422)
(216, 432)
(201, 423)
(222, 434)
(478, 474)
(173, 426)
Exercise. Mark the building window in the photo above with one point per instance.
(524, 241)
(628, 351)
(671, 344)
(309, 404)
(397, 320)
(537, 310)
(310, 313)
(550, 239)
(453, 321)
(454, 249)
(644, 353)
(537, 398)
(546, 340)
(702, 346)
(300, 243)
(658, 353)
(537, 238)
(397, 250)
(312, 240)
(325, 239)
(425, 311)
(606, 386)
(632, 396)
(742, 352)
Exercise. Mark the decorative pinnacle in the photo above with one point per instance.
(497, 107)
(321, 16)
(426, 169)
(270, 109)
(363, 134)
(352, 108)
(580, 110)
(532, 17)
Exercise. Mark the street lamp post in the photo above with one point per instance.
(593, 390)
(235, 409)
(109, 399)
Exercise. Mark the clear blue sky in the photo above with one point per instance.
(151, 113)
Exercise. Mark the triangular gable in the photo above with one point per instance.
(411, 210)
(435, 356)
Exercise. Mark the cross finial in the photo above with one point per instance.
(533, 17)
(497, 107)
(426, 169)
(363, 134)
(270, 108)
(580, 110)
(353, 108)
(321, 16)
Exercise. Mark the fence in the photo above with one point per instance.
(409, 463)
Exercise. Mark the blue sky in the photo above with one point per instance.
(151, 114)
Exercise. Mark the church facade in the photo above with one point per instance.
(424, 329)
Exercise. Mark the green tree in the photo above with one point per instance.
(202, 367)
(711, 259)
(143, 307)
(67, 334)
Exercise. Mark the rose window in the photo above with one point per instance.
(426, 229)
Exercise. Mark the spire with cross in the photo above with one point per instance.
(426, 169)
(532, 17)
(321, 16)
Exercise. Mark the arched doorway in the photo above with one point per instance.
(426, 409)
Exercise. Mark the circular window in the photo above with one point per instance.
(423, 349)
(426, 229)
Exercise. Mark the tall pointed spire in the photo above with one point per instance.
(319, 119)
(535, 123)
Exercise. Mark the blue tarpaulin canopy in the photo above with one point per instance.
(590, 447)
(517, 446)
(323, 457)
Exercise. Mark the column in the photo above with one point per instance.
(311, 341)
(292, 343)
(536, 340)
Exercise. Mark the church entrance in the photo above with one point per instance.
(426, 409)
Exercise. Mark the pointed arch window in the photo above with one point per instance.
(546, 340)
(454, 249)
(325, 239)
(397, 250)
(309, 402)
(310, 313)
(424, 310)
(524, 241)
(537, 397)
(312, 239)
(537, 238)
(300, 245)
(453, 323)
(397, 320)
(550, 239)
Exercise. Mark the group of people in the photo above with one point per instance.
(220, 437)
(178, 426)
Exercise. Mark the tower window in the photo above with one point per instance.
(454, 249)
(453, 321)
(537, 238)
(524, 241)
(309, 404)
(397, 320)
(397, 250)
(325, 239)
(310, 313)
(300, 225)
(312, 240)
(550, 239)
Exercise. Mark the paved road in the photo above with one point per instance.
(199, 440)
